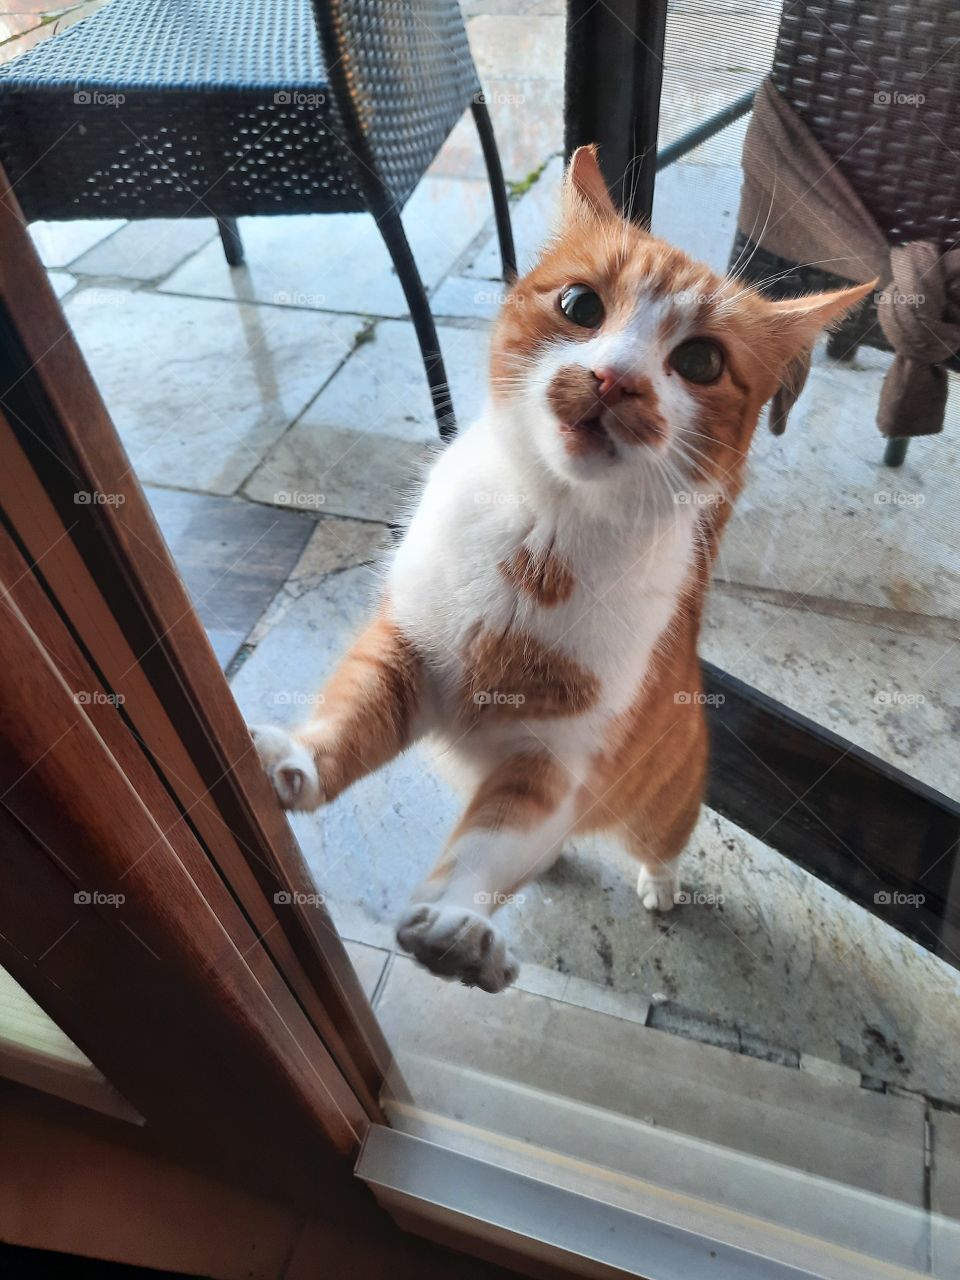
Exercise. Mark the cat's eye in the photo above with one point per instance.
(582, 305)
(698, 360)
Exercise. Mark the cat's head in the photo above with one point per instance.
(619, 356)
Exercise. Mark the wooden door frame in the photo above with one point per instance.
(220, 1001)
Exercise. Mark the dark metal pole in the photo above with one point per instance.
(614, 72)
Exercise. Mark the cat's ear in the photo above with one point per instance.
(584, 189)
(798, 321)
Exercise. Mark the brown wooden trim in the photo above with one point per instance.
(109, 570)
(170, 993)
(77, 1183)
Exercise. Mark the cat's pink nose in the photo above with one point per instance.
(615, 384)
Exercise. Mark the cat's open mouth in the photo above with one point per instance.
(588, 436)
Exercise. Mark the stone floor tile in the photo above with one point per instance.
(359, 474)
(893, 693)
(62, 282)
(945, 1195)
(517, 46)
(200, 389)
(527, 116)
(382, 389)
(822, 516)
(830, 1071)
(148, 249)
(234, 557)
(61, 243)
(466, 296)
(872, 1142)
(369, 963)
(335, 544)
(338, 262)
(533, 217)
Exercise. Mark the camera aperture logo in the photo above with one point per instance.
(498, 899)
(293, 898)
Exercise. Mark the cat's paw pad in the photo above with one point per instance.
(657, 891)
(455, 942)
(289, 766)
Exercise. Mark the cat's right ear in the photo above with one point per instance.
(584, 189)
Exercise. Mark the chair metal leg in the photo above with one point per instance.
(230, 238)
(840, 346)
(395, 238)
(498, 190)
(896, 451)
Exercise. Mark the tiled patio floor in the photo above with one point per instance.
(290, 389)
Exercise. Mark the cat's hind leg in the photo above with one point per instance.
(658, 847)
(511, 831)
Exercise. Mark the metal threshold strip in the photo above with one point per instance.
(415, 1179)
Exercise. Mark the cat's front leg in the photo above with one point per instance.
(511, 831)
(368, 712)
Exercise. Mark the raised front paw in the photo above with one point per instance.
(289, 766)
(455, 942)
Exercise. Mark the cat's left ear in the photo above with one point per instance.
(585, 189)
(798, 321)
(796, 324)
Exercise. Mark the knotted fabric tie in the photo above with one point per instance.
(799, 206)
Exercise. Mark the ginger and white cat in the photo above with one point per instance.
(540, 616)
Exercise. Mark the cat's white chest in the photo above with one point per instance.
(448, 579)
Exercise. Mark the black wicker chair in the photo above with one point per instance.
(185, 108)
(851, 70)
